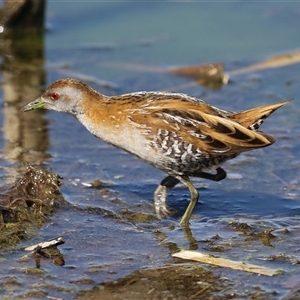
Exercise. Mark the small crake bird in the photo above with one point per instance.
(178, 134)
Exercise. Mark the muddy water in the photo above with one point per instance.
(111, 232)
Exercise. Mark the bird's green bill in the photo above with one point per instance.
(36, 104)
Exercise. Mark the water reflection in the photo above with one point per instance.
(22, 51)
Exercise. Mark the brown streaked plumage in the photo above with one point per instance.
(178, 134)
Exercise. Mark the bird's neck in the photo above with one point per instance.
(108, 120)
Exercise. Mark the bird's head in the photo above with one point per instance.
(63, 95)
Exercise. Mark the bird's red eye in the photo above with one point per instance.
(54, 96)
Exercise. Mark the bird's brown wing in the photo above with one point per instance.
(209, 133)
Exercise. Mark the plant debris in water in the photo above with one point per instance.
(26, 204)
(209, 75)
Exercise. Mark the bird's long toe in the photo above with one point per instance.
(161, 208)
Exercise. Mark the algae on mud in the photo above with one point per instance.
(26, 204)
(179, 281)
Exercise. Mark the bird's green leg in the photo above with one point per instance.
(221, 174)
(169, 182)
(184, 222)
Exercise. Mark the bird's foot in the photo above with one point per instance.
(160, 196)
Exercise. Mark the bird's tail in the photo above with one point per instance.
(253, 118)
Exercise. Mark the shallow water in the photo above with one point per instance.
(111, 231)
